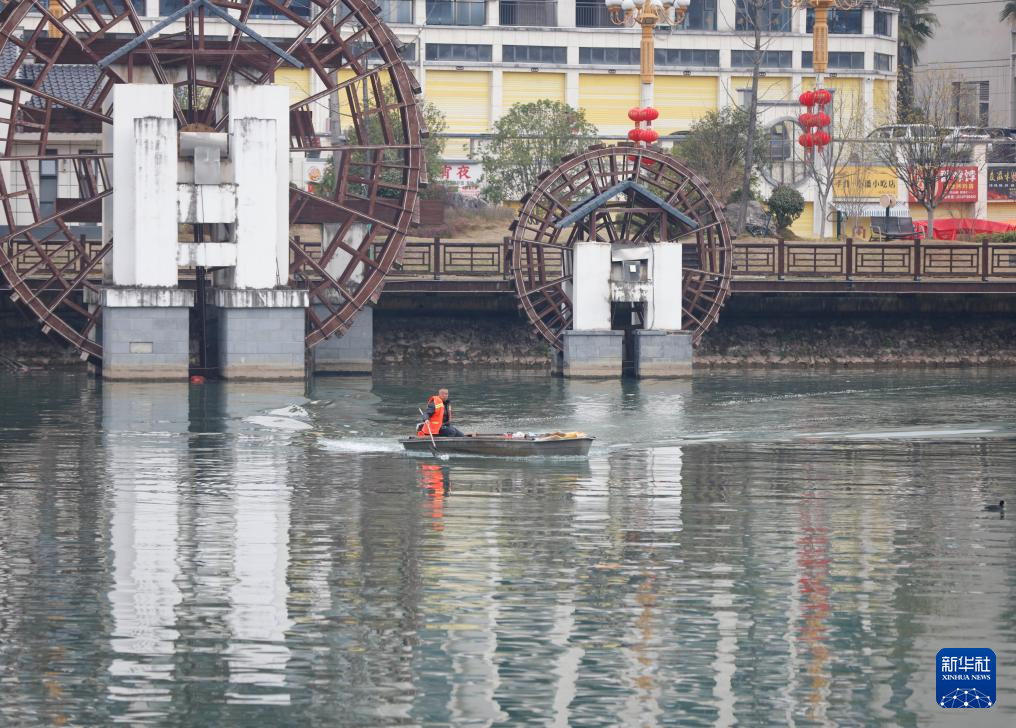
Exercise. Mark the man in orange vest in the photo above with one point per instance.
(439, 416)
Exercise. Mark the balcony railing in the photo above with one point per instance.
(528, 13)
(457, 12)
(396, 11)
(592, 16)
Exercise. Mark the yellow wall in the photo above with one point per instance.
(298, 80)
(1002, 211)
(883, 102)
(849, 94)
(464, 97)
(682, 100)
(607, 98)
(770, 88)
(802, 226)
(523, 88)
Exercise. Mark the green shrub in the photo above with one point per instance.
(786, 204)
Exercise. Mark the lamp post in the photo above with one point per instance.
(815, 102)
(648, 15)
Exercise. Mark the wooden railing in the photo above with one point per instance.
(752, 260)
(441, 258)
(859, 259)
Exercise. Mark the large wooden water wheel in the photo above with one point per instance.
(625, 195)
(58, 65)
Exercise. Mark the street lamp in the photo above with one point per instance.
(647, 14)
(815, 101)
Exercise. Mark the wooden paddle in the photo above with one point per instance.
(433, 445)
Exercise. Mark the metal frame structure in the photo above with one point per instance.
(648, 184)
(58, 66)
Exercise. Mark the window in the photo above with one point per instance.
(358, 48)
(846, 60)
(456, 12)
(396, 11)
(970, 103)
(883, 24)
(701, 15)
(883, 62)
(528, 13)
(47, 185)
(841, 22)
(609, 56)
(456, 52)
(687, 57)
(533, 54)
(591, 14)
(770, 59)
(774, 17)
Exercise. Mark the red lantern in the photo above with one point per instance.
(650, 135)
(807, 98)
(635, 113)
(635, 134)
(806, 140)
(807, 120)
(650, 114)
(822, 119)
(822, 96)
(822, 138)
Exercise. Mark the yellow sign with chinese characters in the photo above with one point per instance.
(865, 183)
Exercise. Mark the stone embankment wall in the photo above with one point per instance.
(753, 331)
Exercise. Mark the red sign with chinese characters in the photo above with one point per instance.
(963, 184)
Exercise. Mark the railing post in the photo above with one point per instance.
(918, 255)
(985, 259)
(779, 259)
(848, 258)
(436, 258)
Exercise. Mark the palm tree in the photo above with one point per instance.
(1008, 10)
(916, 25)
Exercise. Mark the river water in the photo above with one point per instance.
(772, 548)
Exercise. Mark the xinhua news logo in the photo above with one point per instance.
(965, 677)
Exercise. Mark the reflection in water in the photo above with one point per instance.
(735, 548)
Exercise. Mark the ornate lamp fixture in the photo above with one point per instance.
(647, 14)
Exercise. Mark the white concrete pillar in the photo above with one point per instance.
(566, 15)
(253, 150)
(591, 286)
(726, 12)
(496, 94)
(663, 310)
(268, 102)
(571, 85)
(144, 212)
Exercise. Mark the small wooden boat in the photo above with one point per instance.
(550, 444)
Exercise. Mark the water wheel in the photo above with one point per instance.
(625, 195)
(58, 66)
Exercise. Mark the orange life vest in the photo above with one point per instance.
(433, 424)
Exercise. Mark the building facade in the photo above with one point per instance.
(972, 54)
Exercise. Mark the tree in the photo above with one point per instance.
(926, 159)
(757, 16)
(528, 140)
(715, 147)
(433, 145)
(786, 204)
(1008, 11)
(838, 164)
(916, 25)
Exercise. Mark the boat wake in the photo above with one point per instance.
(359, 445)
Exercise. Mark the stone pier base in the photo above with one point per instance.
(261, 333)
(593, 353)
(662, 353)
(350, 353)
(145, 332)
